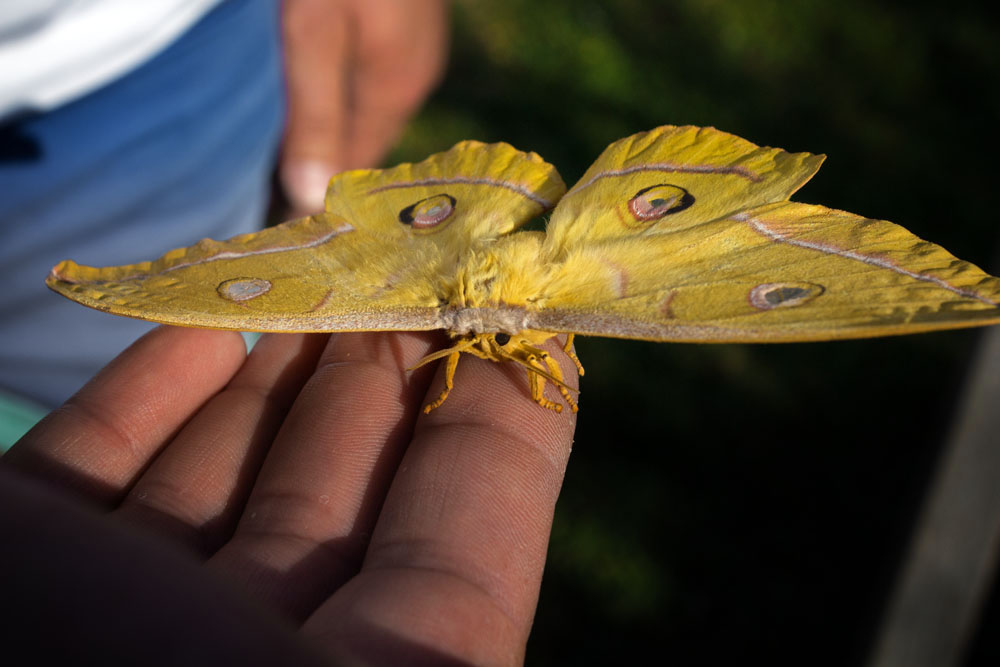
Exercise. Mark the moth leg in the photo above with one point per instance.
(449, 382)
(557, 374)
(568, 349)
(537, 383)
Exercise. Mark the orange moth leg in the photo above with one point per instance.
(557, 374)
(568, 349)
(537, 379)
(537, 383)
(449, 382)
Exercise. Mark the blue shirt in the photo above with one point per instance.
(179, 149)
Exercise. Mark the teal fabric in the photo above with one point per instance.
(17, 416)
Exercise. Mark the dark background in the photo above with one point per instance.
(734, 501)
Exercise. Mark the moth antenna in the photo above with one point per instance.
(433, 356)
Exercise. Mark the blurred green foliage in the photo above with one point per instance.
(727, 501)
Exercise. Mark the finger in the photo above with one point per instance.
(456, 558)
(400, 55)
(317, 61)
(101, 439)
(195, 489)
(313, 507)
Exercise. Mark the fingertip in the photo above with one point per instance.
(102, 438)
(173, 356)
(304, 182)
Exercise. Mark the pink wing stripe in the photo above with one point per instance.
(464, 180)
(671, 167)
(229, 254)
(761, 227)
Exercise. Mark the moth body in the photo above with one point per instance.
(464, 321)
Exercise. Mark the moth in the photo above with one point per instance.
(677, 234)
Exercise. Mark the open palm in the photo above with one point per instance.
(306, 475)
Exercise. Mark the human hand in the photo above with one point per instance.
(307, 475)
(356, 70)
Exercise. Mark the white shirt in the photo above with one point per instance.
(53, 51)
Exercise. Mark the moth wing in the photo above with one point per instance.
(470, 194)
(381, 258)
(780, 272)
(673, 178)
(313, 274)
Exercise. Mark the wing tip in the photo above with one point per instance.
(63, 272)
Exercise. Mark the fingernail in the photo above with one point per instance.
(304, 183)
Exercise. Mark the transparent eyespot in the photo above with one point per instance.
(783, 295)
(657, 201)
(428, 213)
(243, 289)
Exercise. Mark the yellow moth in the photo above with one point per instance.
(676, 234)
